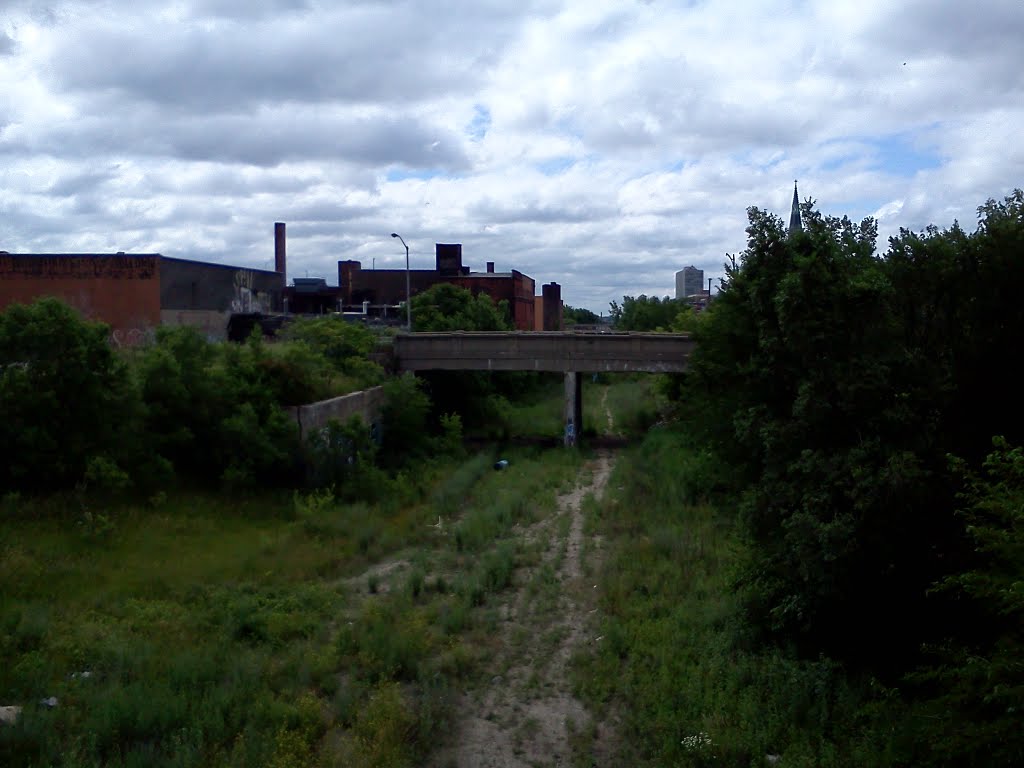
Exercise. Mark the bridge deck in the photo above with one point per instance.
(543, 351)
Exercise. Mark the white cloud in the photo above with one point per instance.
(600, 144)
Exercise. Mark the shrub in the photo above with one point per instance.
(404, 420)
(386, 642)
(342, 343)
(341, 457)
(384, 730)
(450, 441)
(212, 411)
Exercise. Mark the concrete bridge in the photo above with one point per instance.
(560, 352)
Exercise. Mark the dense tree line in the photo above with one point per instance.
(578, 316)
(839, 384)
(646, 313)
(79, 414)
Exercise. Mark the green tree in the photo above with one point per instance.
(447, 307)
(405, 420)
(802, 373)
(835, 382)
(335, 338)
(974, 719)
(645, 313)
(959, 304)
(579, 316)
(316, 351)
(64, 394)
(212, 411)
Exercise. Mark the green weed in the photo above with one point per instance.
(215, 629)
(671, 659)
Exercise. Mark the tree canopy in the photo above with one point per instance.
(836, 382)
(447, 307)
(645, 313)
(65, 394)
(579, 316)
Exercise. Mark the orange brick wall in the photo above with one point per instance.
(122, 291)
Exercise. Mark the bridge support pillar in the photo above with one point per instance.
(573, 408)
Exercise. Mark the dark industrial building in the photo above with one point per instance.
(548, 308)
(134, 293)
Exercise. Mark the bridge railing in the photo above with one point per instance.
(543, 351)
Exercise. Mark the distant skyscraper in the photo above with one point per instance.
(689, 281)
(795, 224)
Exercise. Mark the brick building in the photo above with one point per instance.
(548, 308)
(387, 287)
(119, 289)
(134, 293)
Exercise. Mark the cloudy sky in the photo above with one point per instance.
(602, 144)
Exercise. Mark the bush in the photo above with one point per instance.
(213, 411)
(344, 345)
(385, 730)
(404, 420)
(341, 457)
(386, 643)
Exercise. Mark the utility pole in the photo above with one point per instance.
(408, 303)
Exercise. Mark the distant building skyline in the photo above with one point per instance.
(689, 282)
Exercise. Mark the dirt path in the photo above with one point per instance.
(608, 412)
(525, 713)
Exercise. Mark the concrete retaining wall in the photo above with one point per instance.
(367, 404)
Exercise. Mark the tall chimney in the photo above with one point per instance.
(552, 302)
(280, 263)
(449, 258)
(348, 276)
(490, 266)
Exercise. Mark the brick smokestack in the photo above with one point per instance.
(552, 303)
(449, 258)
(348, 276)
(280, 262)
(490, 266)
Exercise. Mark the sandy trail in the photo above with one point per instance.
(527, 715)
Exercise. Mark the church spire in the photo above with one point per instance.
(795, 225)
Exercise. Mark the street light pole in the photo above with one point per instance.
(408, 296)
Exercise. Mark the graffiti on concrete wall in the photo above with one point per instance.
(131, 337)
(247, 298)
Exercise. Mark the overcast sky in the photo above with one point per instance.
(602, 144)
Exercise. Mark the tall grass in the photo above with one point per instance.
(539, 414)
(634, 403)
(224, 631)
(673, 664)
